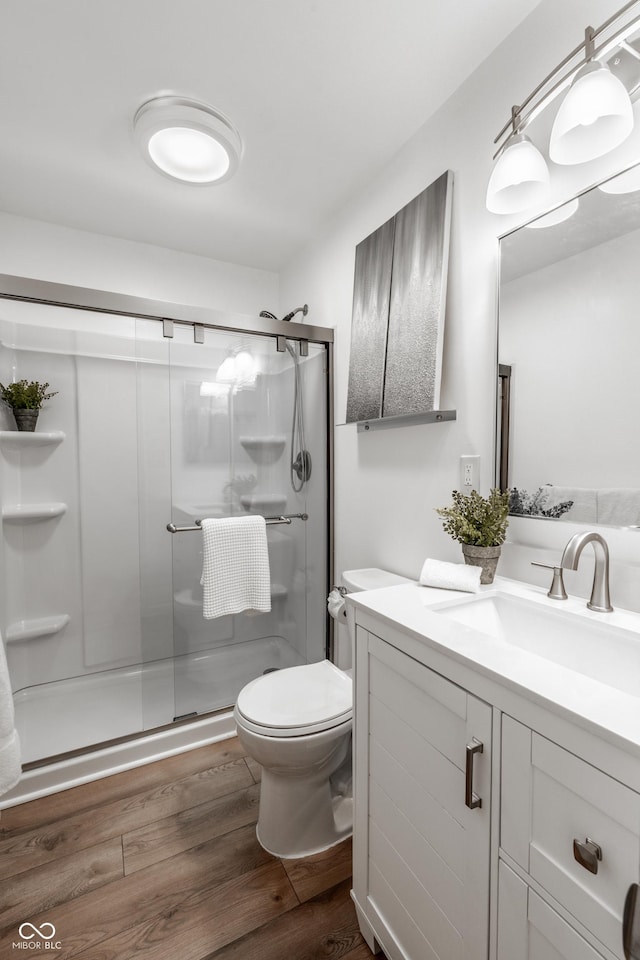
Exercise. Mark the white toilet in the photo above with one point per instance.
(297, 724)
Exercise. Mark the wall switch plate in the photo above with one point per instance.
(469, 473)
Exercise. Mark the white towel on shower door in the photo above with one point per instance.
(10, 769)
(235, 566)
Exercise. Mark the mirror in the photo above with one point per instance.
(568, 352)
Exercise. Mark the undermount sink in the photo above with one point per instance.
(589, 644)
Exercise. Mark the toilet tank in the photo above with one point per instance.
(354, 581)
(370, 578)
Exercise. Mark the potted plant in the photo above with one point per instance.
(480, 525)
(25, 399)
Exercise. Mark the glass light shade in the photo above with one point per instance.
(559, 215)
(627, 182)
(520, 177)
(595, 116)
(187, 140)
(188, 154)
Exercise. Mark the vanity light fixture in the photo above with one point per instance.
(594, 118)
(596, 115)
(187, 140)
(520, 178)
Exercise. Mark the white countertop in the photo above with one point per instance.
(593, 705)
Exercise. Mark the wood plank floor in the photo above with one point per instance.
(162, 862)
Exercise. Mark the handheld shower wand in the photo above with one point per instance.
(300, 462)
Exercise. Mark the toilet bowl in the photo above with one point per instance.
(296, 723)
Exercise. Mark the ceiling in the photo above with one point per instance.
(323, 92)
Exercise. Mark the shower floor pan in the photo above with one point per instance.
(65, 715)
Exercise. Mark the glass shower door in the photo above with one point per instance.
(248, 436)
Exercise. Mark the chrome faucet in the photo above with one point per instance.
(600, 600)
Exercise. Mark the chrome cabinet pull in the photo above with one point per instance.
(631, 924)
(471, 799)
(587, 853)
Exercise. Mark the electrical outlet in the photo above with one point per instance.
(469, 473)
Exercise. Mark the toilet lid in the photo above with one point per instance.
(316, 695)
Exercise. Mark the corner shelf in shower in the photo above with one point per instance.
(264, 450)
(32, 512)
(187, 597)
(264, 504)
(22, 439)
(41, 627)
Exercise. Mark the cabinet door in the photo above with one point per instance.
(428, 851)
(529, 929)
(554, 806)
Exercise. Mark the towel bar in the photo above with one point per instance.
(286, 518)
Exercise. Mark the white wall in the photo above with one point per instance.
(45, 251)
(389, 482)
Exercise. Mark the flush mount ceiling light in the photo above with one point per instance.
(187, 140)
(594, 118)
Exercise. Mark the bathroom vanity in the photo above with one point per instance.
(496, 774)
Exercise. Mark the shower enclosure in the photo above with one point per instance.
(157, 423)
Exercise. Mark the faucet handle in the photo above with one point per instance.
(557, 590)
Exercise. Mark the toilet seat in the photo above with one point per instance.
(296, 701)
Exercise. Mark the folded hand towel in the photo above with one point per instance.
(10, 768)
(619, 506)
(450, 576)
(235, 568)
(585, 502)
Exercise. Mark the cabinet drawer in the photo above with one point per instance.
(528, 928)
(551, 798)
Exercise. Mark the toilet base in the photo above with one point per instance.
(306, 800)
(343, 817)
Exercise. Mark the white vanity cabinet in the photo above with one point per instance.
(445, 716)
(573, 833)
(529, 929)
(422, 753)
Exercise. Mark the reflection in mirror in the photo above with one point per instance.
(569, 331)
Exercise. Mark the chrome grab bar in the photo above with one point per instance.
(285, 518)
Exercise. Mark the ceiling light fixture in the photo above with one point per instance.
(187, 140)
(594, 118)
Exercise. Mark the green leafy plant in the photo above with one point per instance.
(525, 504)
(477, 520)
(25, 394)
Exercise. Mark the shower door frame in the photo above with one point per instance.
(54, 294)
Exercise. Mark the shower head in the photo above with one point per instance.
(267, 315)
(303, 310)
